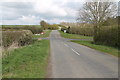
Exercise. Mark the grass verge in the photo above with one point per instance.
(103, 48)
(74, 36)
(43, 35)
(27, 62)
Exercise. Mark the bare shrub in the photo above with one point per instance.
(22, 37)
(33, 29)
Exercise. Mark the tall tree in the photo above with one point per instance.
(96, 13)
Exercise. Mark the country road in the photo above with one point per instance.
(71, 60)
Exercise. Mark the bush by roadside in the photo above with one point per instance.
(86, 31)
(53, 27)
(33, 29)
(108, 35)
(80, 29)
(18, 37)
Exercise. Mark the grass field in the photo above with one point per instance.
(27, 62)
(74, 36)
(47, 33)
(103, 48)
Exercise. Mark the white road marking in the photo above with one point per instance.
(72, 49)
(66, 45)
(75, 52)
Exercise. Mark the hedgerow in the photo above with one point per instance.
(108, 35)
(33, 29)
(23, 37)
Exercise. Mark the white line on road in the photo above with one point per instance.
(75, 52)
(66, 45)
(72, 49)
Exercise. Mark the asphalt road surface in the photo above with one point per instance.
(72, 60)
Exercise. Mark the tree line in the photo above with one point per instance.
(46, 25)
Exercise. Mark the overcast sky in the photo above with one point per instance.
(31, 12)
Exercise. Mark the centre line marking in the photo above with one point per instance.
(75, 52)
(66, 45)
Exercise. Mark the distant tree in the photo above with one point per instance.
(96, 13)
(44, 24)
(53, 26)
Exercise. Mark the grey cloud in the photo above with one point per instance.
(18, 5)
(74, 5)
(13, 11)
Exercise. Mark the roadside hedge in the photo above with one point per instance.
(86, 31)
(23, 37)
(33, 29)
(53, 26)
(108, 35)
